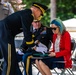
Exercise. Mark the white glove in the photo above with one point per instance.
(41, 49)
(41, 45)
(20, 52)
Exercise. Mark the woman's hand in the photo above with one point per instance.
(52, 54)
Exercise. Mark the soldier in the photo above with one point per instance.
(42, 38)
(40, 33)
(12, 25)
(5, 9)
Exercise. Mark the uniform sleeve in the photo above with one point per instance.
(26, 23)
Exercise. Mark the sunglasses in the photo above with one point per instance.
(54, 28)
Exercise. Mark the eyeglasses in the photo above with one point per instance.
(54, 28)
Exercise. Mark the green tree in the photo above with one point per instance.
(66, 9)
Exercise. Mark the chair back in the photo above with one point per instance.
(73, 44)
(72, 47)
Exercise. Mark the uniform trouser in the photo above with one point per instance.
(27, 65)
(0, 62)
(10, 65)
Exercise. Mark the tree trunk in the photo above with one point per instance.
(53, 9)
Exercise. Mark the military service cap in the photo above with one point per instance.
(42, 7)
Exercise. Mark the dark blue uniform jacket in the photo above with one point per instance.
(20, 21)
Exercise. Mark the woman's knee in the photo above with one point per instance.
(40, 62)
(37, 62)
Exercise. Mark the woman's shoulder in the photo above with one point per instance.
(66, 33)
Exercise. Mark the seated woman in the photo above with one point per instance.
(61, 50)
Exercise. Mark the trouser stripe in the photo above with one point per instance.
(28, 63)
(9, 59)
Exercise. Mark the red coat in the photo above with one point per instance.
(65, 48)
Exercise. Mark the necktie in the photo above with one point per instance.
(35, 30)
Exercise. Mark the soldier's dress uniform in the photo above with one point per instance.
(9, 27)
(43, 38)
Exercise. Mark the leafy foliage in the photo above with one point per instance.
(66, 9)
